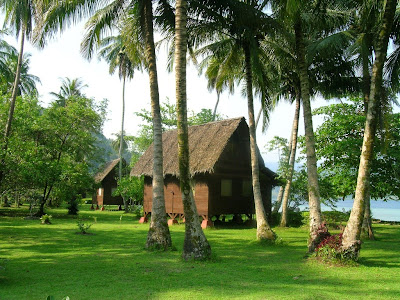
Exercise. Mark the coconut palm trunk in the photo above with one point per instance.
(367, 229)
(216, 106)
(293, 144)
(195, 245)
(367, 223)
(158, 235)
(14, 95)
(313, 186)
(279, 198)
(121, 141)
(351, 244)
(264, 231)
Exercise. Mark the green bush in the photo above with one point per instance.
(335, 217)
(46, 219)
(295, 219)
(83, 227)
(73, 206)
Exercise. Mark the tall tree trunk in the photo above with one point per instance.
(367, 223)
(121, 140)
(195, 245)
(264, 231)
(258, 117)
(216, 105)
(279, 198)
(14, 95)
(292, 159)
(351, 244)
(313, 186)
(158, 235)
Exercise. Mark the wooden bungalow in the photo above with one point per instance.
(220, 167)
(106, 179)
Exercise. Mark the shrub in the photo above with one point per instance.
(335, 218)
(73, 205)
(295, 219)
(330, 247)
(83, 227)
(46, 219)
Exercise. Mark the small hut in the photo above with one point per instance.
(220, 166)
(107, 182)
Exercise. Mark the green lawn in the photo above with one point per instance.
(42, 260)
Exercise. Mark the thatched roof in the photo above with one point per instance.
(206, 144)
(105, 170)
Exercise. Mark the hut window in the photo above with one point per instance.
(113, 191)
(226, 187)
(247, 188)
(99, 192)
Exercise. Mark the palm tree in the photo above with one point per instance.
(139, 14)
(113, 51)
(292, 158)
(69, 88)
(351, 244)
(19, 15)
(195, 245)
(303, 17)
(240, 26)
(6, 52)
(27, 85)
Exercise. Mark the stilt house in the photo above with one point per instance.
(107, 181)
(220, 167)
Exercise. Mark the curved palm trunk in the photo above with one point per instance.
(293, 144)
(216, 106)
(279, 198)
(258, 117)
(12, 105)
(264, 231)
(313, 186)
(121, 141)
(195, 245)
(351, 244)
(158, 235)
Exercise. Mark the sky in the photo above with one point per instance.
(61, 58)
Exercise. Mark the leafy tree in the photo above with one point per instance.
(338, 144)
(143, 139)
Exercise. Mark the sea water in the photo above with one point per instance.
(388, 210)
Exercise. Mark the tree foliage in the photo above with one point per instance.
(51, 149)
(144, 138)
(339, 141)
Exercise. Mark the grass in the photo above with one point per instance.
(111, 263)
